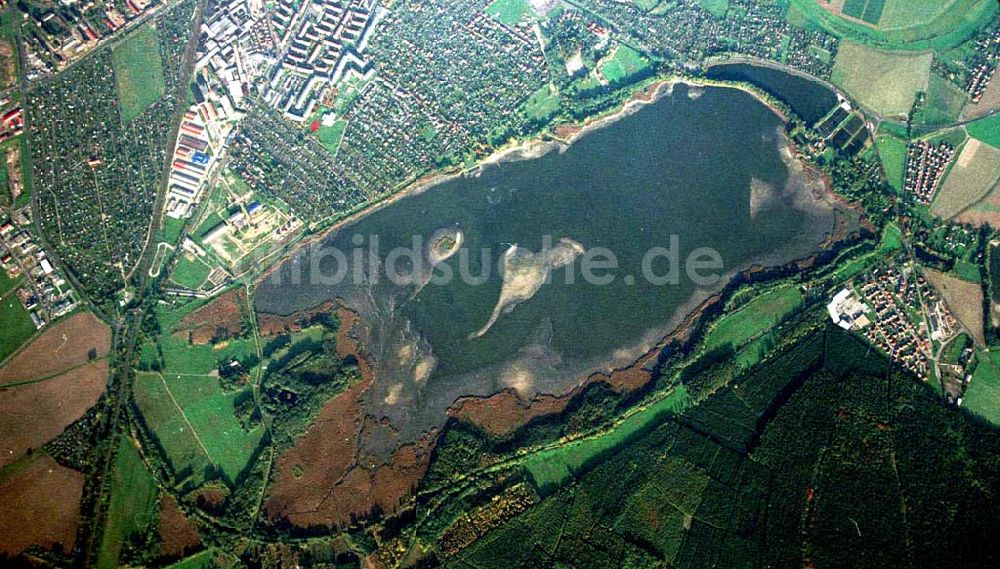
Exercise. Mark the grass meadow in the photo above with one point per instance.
(970, 178)
(138, 72)
(884, 81)
(982, 396)
(132, 505)
(893, 153)
(754, 318)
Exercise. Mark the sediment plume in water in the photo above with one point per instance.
(524, 273)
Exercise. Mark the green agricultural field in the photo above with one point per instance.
(886, 82)
(971, 177)
(170, 428)
(892, 239)
(754, 318)
(17, 325)
(330, 136)
(553, 467)
(211, 412)
(982, 396)
(190, 272)
(904, 14)
(893, 153)
(913, 25)
(717, 8)
(170, 230)
(8, 284)
(944, 103)
(181, 357)
(132, 505)
(195, 422)
(955, 137)
(542, 104)
(986, 129)
(510, 12)
(138, 72)
(967, 271)
(625, 63)
(868, 10)
(208, 559)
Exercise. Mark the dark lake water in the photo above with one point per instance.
(808, 99)
(682, 167)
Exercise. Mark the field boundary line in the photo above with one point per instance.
(183, 416)
(53, 375)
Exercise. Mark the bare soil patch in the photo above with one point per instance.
(33, 414)
(964, 299)
(220, 319)
(70, 343)
(41, 506)
(179, 536)
(321, 481)
(275, 325)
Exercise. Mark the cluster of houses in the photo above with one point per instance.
(321, 43)
(925, 166)
(45, 294)
(908, 316)
(57, 33)
(11, 120)
(983, 73)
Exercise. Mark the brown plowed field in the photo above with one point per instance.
(180, 536)
(33, 414)
(67, 344)
(223, 317)
(41, 506)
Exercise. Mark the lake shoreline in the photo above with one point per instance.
(559, 137)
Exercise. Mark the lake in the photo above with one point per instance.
(698, 168)
(809, 99)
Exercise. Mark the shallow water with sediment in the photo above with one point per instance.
(682, 173)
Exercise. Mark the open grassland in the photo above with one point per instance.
(138, 72)
(169, 426)
(543, 103)
(180, 357)
(211, 412)
(553, 467)
(194, 421)
(754, 318)
(924, 26)
(8, 284)
(510, 12)
(964, 299)
(41, 505)
(982, 396)
(625, 63)
(190, 272)
(970, 179)
(208, 559)
(35, 413)
(717, 8)
(986, 130)
(886, 82)
(17, 326)
(903, 14)
(132, 506)
(943, 104)
(67, 344)
(893, 153)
